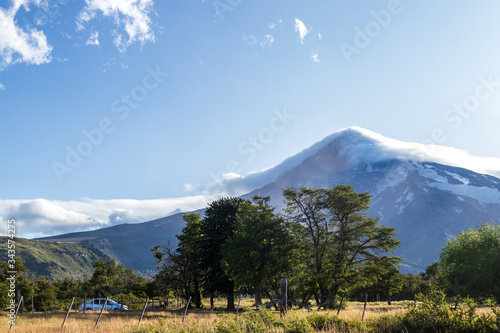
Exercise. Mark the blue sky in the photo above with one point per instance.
(159, 99)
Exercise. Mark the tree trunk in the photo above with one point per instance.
(258, 297)
(211, 301)
(389, 301)
(197, 293)
(230, 296)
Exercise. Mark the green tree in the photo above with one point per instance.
(471, 262)
(45, 292)
(306, 212)
(104, 277)
(389, 280)
(66, 289)
(358, 239)
(337, 237)
(216, 229)
(180, 268)
(22, 283)
(189, 250)
(260, 249)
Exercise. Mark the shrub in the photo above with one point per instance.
(433, 314)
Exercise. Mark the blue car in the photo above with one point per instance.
(97, 304)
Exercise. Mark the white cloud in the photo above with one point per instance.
(314, 57)
(18, 45)
(319, 35)
(2, 87)
(132, 16)
(40, 217)
(267, 41)
(273, 25)
(93, 39)
(301, 28)
(250, 39)
(190, 187)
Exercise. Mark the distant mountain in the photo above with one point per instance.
(130, 244)
(428, 193)
(54, 260)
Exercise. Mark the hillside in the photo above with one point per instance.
(55, 260)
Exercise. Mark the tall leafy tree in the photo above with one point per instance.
(189, 252)
(471, 262)
(358, 239)
(217, 227)
(337, 239)
(180, 268)
(309, 223)
(260, 250)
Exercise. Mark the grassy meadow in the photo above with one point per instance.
(379, 317)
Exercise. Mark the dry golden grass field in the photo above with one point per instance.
(197, 320)
(203, 320)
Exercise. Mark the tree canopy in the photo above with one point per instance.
(470, 263)
(338, 240)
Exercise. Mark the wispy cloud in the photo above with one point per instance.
(314, 57)
(273, 25)
(132, 16)
(93, 39)
(301, 28)
(250, 39)
(2, 87)
(19, 45)
(267, 40)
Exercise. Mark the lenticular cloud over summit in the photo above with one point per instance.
(366, 146)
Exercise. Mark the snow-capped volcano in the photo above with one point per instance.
(425, 192)
(428, 193)
(355, 146)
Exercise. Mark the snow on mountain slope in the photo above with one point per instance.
(358, 145)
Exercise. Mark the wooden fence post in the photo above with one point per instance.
(43, 304)
(340, 305)
(85, 304)
(20, 300)
(55, 304)
(17, 311)
(238, 308)
(187, 306)
(67, 313)
(456, 303)
(100, 313)
(364, 308)
(32, 307)
(284, 296)
(143, 310)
